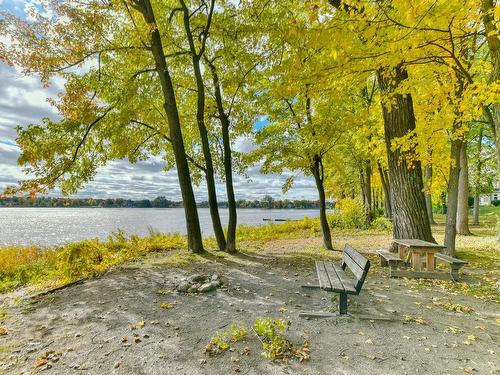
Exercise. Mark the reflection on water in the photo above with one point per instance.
(47, 226)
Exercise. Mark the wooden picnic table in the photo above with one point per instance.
(419, 254)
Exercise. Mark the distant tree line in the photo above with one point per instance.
(158, 202)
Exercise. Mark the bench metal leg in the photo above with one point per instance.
(343, 303)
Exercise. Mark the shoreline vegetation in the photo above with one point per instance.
(41, 268)
(267, 202)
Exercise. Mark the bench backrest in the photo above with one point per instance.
(357, 263)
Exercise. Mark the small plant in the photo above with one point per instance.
(217, 344)
(274, 342)
(238, 333)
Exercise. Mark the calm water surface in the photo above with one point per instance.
(49, 226)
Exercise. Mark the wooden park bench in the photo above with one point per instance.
(455, 264)
(346, 278)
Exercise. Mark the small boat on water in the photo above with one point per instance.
(270, 219)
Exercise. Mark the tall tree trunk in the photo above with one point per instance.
(477, 179)
(228, 164)
(453, 181)
(463, 194)
(366, 189)
(318, 173)
(170, 106)
(488, 9)
(428, 195)
(200, 120)
(387, 191)
(410, 219)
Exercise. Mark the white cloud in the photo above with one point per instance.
(23, 101)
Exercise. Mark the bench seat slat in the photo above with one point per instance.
(337, 285)
(324, 281)
(348, 282)
(387, 255)
(449, 259)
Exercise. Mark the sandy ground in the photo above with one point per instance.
(84, 325)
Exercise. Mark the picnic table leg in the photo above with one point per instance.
(343, 303)
(431, 262)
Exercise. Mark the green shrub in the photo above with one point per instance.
(382, 223)
(495, 202)
(350, 215)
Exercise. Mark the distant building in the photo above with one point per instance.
(487, 199)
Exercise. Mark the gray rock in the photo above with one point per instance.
(183, 286)
(195, 278)
(207, 287)
(193, 288)
(215, 283)
(214, 277)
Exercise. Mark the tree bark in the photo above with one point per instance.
(195, 243)
(387, 192)
(410, 219)
(318, 173)
(228, 164)
(452, 201)
(477, 180)
(366, 189)
(488, 8)
(202, 129)
(428, 195)
(463, 194)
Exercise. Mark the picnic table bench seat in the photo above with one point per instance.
(455, 264)
(346, 278)
(388, 259)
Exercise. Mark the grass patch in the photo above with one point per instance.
(59, 265)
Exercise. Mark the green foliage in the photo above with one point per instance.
(382, 223)
(47, 267)
(291, 229)
(274, 342)
(350, 215)
(495, 202)
(238, 333)
(221, 341)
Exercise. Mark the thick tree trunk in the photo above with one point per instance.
(463, 194)
(428, 195)
(228, 164)
(387, 191)
(190, 210)
(318, 173)
(453, 182)
(488, 8)
(410, 219)
(477, 180)
(205, 145)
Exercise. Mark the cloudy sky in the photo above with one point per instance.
(23, 100)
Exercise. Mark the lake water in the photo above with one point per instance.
(49, 226)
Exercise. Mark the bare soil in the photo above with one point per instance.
(393, 327)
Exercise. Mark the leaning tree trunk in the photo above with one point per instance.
(387, 191)
(453, 181)
(428, 194)
(202, 129)
(410, 219)
(170, 106)
(318, 173)
(477, 177)
(488, 9)
(463, 194)
(228, 164)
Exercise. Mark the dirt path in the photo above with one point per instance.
(85, 324)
